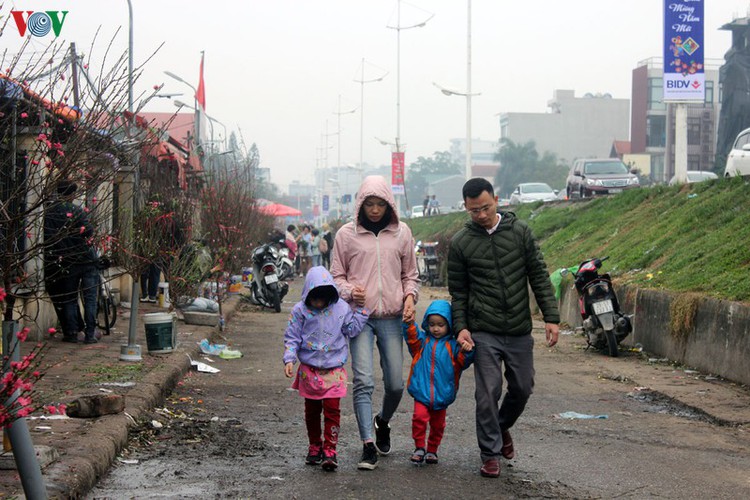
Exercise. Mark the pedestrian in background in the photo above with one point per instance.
(437, 364)
(426, 205)
(317, 335)
(375, 252)
(491, 263)
(70, 264)
(328, 237)
(304, 243)
(434, 206)
(315, 247)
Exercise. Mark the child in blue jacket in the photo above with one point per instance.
(437, 363)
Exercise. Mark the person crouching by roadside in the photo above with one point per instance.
(317, 335)
(437, 363)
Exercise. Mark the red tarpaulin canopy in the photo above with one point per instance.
(279, 210)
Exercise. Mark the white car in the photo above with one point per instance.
(738, 161)
(530, 192)
(694, 176)
(417, 211)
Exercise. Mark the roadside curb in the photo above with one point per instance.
(91, 454)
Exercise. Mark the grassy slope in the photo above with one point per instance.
(684, 238)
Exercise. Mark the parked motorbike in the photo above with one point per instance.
(285, 266)
(604, 325)
(266, 288)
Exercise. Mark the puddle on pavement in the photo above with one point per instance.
(657, 402)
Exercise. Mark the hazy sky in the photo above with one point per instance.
(275, 68)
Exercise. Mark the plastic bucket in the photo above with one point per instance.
(160, 332)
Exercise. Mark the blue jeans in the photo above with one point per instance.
(386, 332)
(316, 260)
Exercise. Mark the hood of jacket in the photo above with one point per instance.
(442, 308)
(376, 185)
(316, 277)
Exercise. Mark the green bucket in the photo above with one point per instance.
(160, 332)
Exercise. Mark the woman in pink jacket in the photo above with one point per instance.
(375, 252)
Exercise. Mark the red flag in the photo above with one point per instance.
(200, 94)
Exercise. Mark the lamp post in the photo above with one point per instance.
(195, 106)
(466, 94)
(362, 82)
(338, 153)
(398, 29)
(211, 121)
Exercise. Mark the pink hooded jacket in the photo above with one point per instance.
(384, 265)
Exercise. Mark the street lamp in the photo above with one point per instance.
(195, 107)
(362, 82)
(466, 94)
(211, 121)
(398, 29)
(338, 153)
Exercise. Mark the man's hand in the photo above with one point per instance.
(552, 331)
(409, 309)
(465, 341)
(288, 369)
(358, 296)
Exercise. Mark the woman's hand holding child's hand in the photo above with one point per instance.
(358, 296)
(288, 370)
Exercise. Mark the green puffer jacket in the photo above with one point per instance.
(488, 276)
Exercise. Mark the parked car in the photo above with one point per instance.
(695, 176)
(529, 192)
(417, 211)
(738, 161)
(592, 176)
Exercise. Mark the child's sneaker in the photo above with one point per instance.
(314, 455)
(330, 460)
(431, 458)
(418, 456)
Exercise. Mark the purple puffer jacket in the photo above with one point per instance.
(320, 337)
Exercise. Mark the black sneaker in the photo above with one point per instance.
(369, 460)
(314, 455)
(382, 436)
(330, 461)
(143, 299)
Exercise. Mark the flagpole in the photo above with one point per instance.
(200, 103)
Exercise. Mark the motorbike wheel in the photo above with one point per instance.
(287, 271)
(612, 349)
(275, 299)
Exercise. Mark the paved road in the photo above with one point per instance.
(670, 433)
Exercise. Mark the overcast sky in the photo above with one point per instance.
(274, 68)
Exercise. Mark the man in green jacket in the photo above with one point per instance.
(491, 263)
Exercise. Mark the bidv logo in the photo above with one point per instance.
(683, 84)
(39, 23)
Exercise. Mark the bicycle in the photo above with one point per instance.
(106, 310)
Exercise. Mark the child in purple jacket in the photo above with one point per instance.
(317, 335)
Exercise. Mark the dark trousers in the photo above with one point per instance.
(331, 409)
(422, 416)
(150, 281)
(65, 290)
(498, 355)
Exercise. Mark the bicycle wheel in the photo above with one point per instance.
(106, 314)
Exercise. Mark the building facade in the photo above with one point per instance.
(574, 127)
(652, 123)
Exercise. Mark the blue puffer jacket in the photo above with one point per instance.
(436, 363)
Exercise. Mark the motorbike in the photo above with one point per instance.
(604, 325)
(284, 266)
(266, 288)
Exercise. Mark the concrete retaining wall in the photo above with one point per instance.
(716, 339)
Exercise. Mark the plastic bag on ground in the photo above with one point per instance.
(209, 348)
(201, 304)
